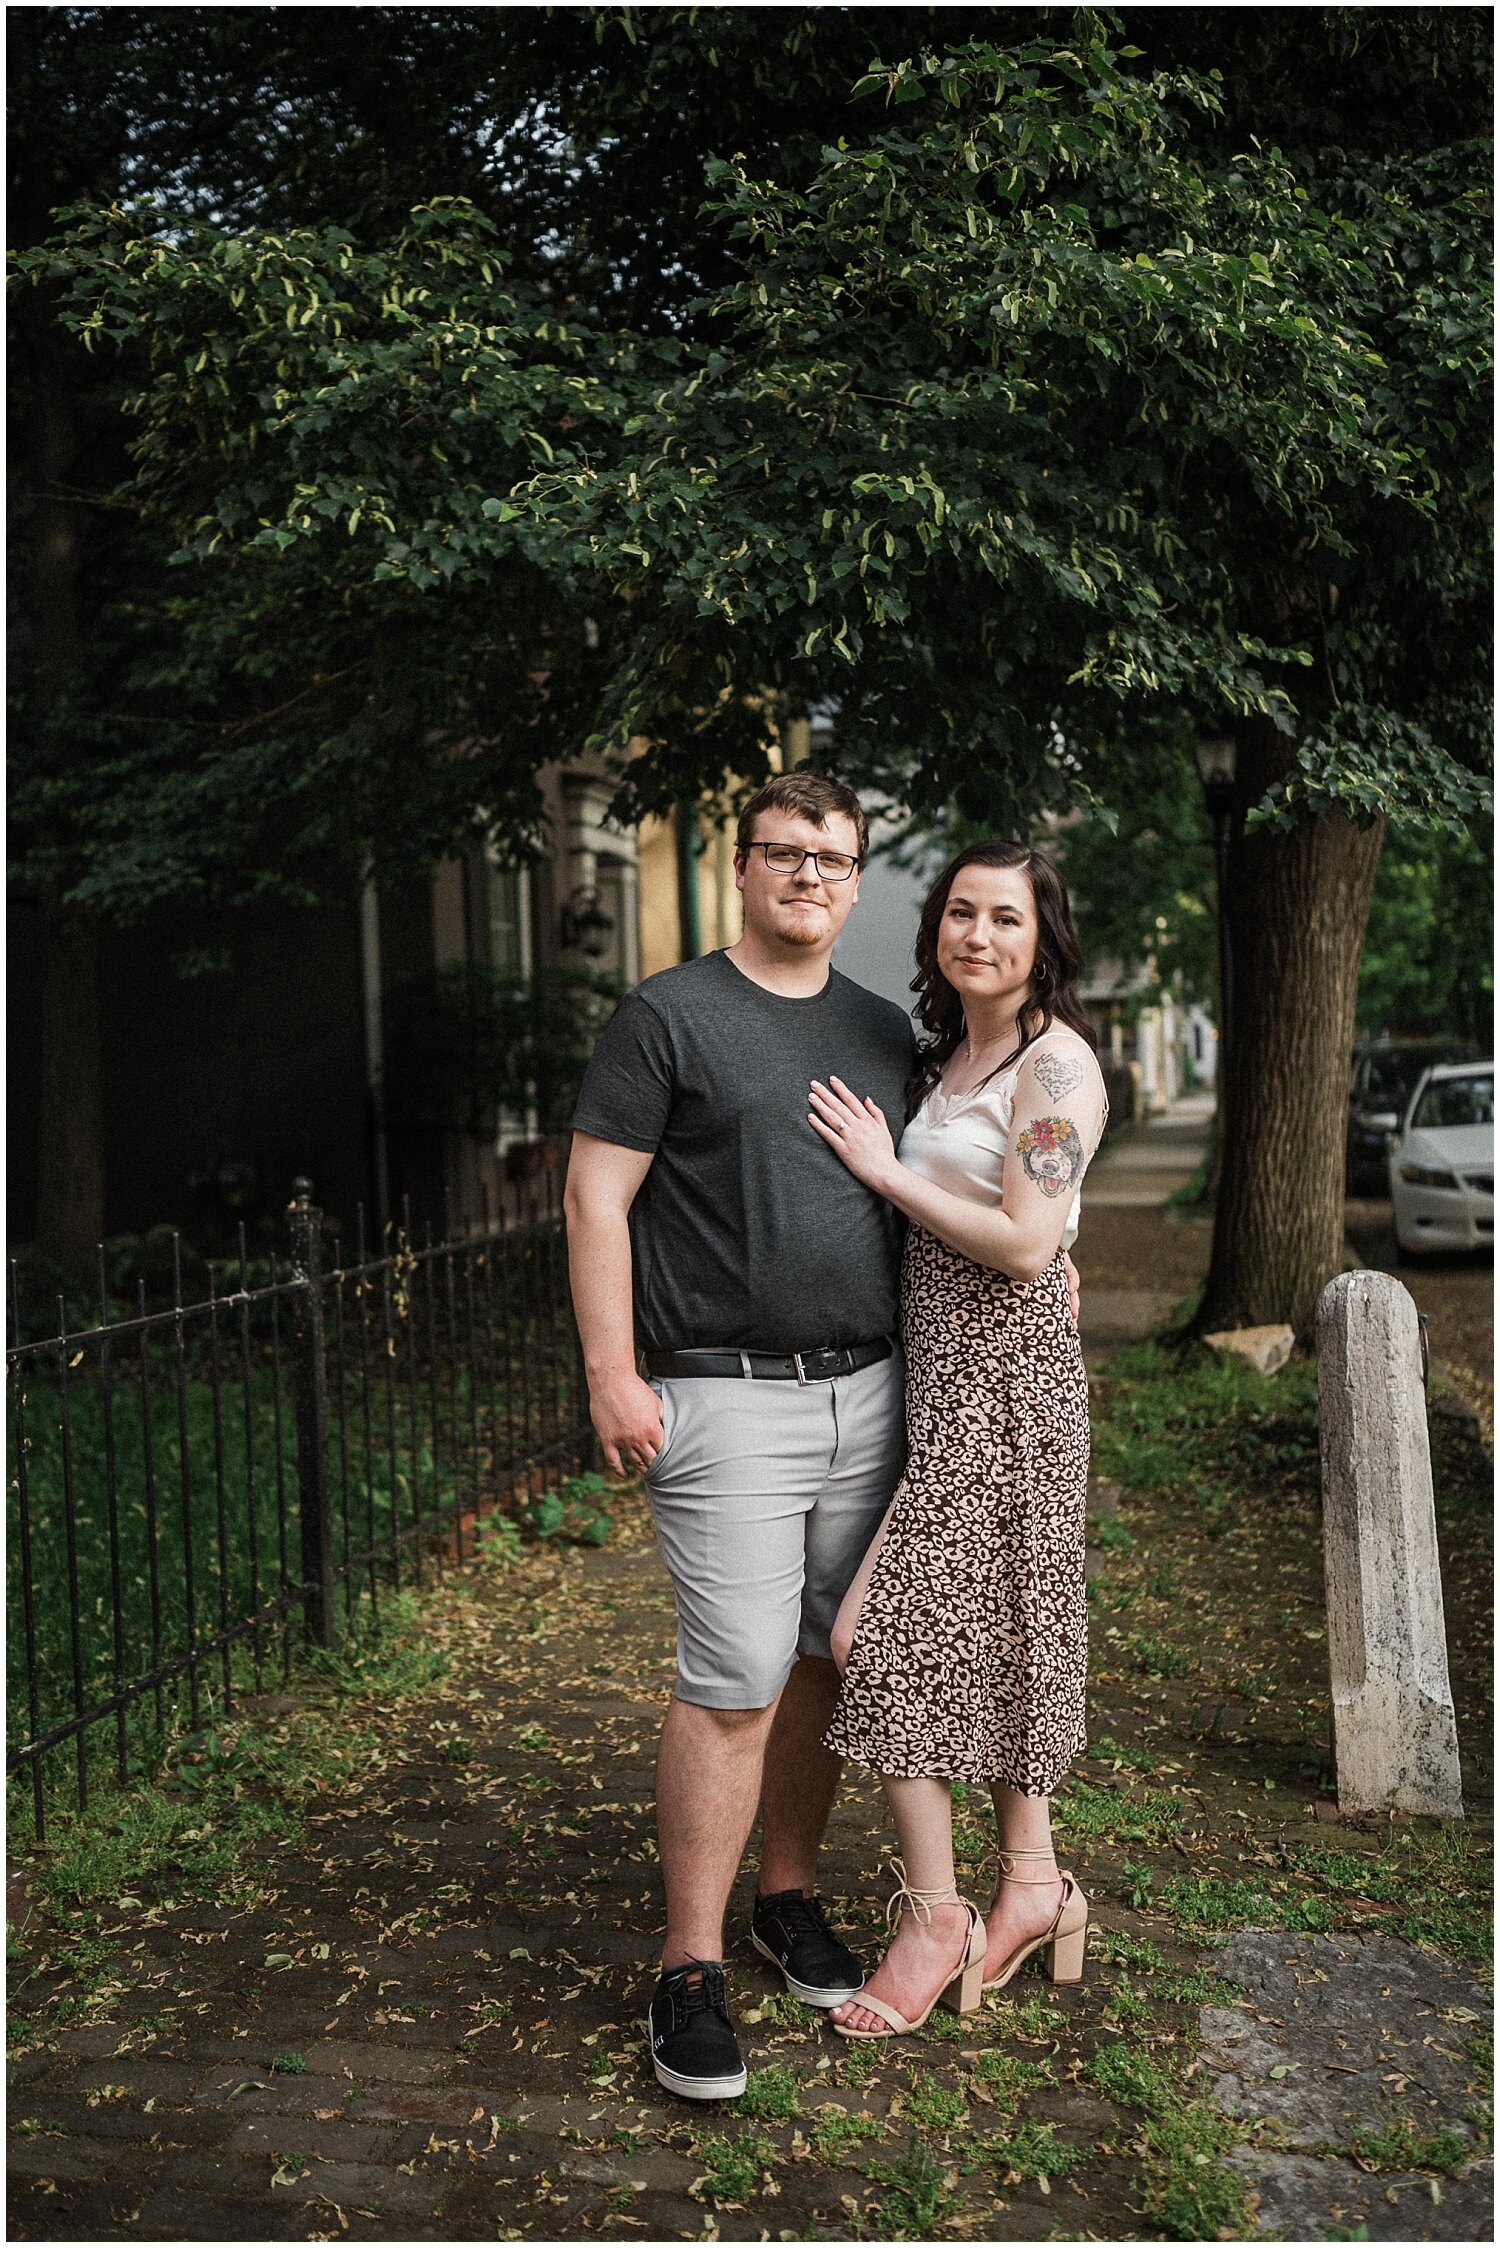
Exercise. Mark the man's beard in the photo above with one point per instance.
(801, 929)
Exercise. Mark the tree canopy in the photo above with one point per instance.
(1028, 389)
(1035, 401)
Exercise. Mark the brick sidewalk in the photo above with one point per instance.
(432, 2031)
(429, 2026)
(371, 2052)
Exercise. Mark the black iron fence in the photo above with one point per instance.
(190, 1485)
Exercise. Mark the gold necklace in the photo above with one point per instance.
(971, 1050)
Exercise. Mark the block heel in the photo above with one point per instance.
(1066, 1950)
(963, 1994)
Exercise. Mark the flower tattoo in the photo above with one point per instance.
(1051, 1154)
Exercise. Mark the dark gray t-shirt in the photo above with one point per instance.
(748, 1230)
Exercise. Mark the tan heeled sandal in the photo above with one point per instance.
(963, 1987)
(1067, 1938)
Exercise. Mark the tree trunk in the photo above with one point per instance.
(70, 1170)
(1297, 903)
(70, 1167)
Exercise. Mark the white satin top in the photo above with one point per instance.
(959, 1140)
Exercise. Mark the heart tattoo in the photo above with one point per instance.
(1057, 1075)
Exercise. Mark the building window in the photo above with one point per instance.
(509, 949)
(508, 926)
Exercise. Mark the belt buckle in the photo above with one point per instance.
(804, 1379)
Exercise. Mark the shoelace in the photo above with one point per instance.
(697, 1987)
(807, 1914)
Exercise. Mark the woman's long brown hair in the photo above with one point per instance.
(1059, 964)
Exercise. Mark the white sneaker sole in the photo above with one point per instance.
(811, 1994)
(696, 2087)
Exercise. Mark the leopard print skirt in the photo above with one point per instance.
(969, 1658)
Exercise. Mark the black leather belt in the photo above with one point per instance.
(802, 1366)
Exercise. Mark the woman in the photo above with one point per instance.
(962, 1637)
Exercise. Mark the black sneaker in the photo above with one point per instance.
(693, 2048)
(791, 1931)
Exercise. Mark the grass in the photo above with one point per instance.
(860, 2065)
(772, 2094)
(203, 1530)
(1198, 1429)
(1193, 1195)
(934, 2167)
(1129, 2005)
(780, 2007)
(1168, 1985)
(836, 2133)
(1034, 2151)
(919, 2196)
(169, 1468)
(1181, 2144)
(734, 2169)
(211, 1825)
(219, 1802)
(1156, 1658)
(1034, 2021)
(1214, 1623)
(1123, 1755)
(1086, 1813)
(160, 1525)
(1428, 1884)
(1404, 2145)
(932, 2106)
(1008, 2079)
(942, 2027)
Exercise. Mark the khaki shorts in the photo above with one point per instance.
(765, 1497)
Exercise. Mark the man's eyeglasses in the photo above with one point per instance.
(789, 858)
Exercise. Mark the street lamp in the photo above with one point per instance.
(1216, 765)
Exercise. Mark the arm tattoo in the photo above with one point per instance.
(1057, 1075)
(1051, 1154)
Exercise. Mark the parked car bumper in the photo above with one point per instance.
(1430, 1218)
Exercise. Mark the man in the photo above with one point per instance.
(711, 1229)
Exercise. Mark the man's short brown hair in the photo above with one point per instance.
(810, 796)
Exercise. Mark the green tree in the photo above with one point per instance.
(122, 693)
(1428, 964)
(469, 1043)
(173, 742)
(1142, 880)
(1039, 400)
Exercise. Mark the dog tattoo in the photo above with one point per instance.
(1057, 1075)
(1051, 1154)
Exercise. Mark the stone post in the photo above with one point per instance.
(1395, 1740)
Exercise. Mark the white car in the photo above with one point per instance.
(1443, 1161)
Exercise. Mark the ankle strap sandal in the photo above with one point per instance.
(1065, 1941)
(920, 1900)
(962, 1983)
(1008, 1860)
